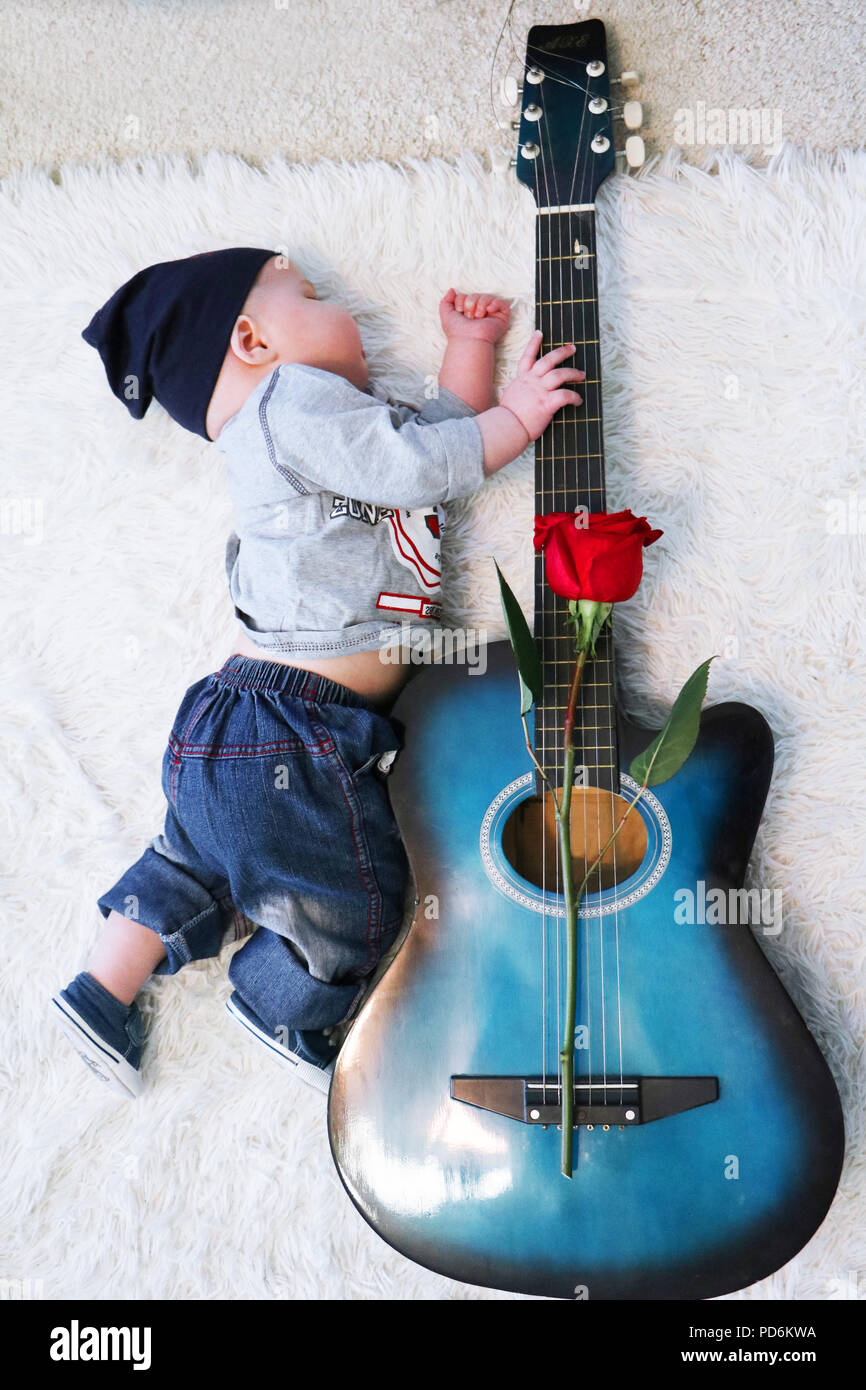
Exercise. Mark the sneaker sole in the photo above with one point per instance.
(101, 1059)
(317, 1077)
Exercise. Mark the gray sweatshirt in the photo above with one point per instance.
(338, 499)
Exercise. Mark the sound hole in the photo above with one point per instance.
(529, 840)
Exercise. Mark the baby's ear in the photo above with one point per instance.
(246, 341)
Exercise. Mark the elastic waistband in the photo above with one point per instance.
(254, 673)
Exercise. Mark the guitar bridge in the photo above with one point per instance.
(633, 1100)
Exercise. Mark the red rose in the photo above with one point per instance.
(601, 560)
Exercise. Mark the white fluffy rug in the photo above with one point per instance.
(734, 307)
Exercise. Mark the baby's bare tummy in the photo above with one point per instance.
(364, 672)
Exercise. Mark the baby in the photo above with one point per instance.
(278, 817)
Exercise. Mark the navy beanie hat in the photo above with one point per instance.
(165, 333)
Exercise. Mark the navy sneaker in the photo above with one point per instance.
(310, 1053)
(106, 1033)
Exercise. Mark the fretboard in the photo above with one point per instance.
(569, 473)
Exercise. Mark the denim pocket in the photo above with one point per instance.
(380, 763)
(365, 742)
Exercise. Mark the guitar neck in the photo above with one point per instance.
(569, 475)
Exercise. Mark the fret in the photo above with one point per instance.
(578, 342)
(564, 686)
(589, 705)
(555, 730)
(565, 457)
(554, 741)
(583, 419)
(584, 705)
(553, 745)
(587, 709)
(593, 767)
(540, 303)
(587, 728)
(553, 736)
(587, 748)
(548, 746)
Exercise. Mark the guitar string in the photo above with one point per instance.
(549, 476)
(580, 710)
(574, 433)
(586, 274)
(547, 469)
(554, 485)
(542, 468)
(608, 658)
(608, 644)
(611, 720)
(595, 357)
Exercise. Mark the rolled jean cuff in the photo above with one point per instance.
(272, 981)
(191, 923)
(195, 940)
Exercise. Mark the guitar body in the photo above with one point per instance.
(688, 1206)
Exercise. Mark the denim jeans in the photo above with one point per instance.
(278, 810)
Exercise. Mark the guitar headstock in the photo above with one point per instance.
(565, 147)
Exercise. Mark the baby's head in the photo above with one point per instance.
(198, 334)
(283, 320)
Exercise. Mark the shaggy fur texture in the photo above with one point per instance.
(733, 330)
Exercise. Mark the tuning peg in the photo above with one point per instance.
(635, 152)
(627, 79)
(500, 161)
(510, 90)
(632, 115)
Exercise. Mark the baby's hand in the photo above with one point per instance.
(483, 316)
(539, 388)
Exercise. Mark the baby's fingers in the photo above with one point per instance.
(561, 375)
(560, 398)
(530, 351)
(553, 358)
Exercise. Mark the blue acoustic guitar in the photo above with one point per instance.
(708, 1131)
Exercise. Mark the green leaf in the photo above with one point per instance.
(670, 748)
(523, 646)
